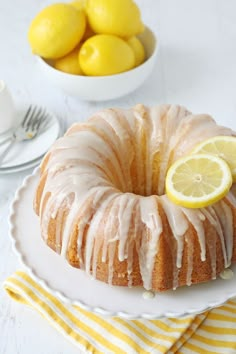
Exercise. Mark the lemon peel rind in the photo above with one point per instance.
(51, 41)
(212, 140)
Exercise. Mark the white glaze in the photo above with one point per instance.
(147, 295)
(109, 173)
(227, 274)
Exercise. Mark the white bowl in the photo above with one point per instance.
(101, 88)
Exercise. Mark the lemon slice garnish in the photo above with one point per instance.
(199, 180)
(221, 146)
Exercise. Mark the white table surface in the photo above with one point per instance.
(196, 68)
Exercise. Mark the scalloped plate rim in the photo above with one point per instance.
(87, 307)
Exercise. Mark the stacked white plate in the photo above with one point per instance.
(27, 154)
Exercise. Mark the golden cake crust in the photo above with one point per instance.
(164, 268)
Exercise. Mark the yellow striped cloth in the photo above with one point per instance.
(208, 333)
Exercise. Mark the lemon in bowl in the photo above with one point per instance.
(69, 63)
(56, 30)
(118, 17)
(105, 87)
(93, 49)
(105, 54)
(138, 49)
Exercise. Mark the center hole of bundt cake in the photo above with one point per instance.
(142, 182)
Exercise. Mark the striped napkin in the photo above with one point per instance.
(211, 332)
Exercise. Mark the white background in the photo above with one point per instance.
(196, 67)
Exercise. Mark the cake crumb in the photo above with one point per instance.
(121, 275)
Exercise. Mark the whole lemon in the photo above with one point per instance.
(138, 48)
(81, 5)
(105, 54)
(119, 17)
(69, 63)
(56, 30)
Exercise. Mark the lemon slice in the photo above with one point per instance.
(222, 146)
(196, 181)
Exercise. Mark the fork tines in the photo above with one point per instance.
(34, 118)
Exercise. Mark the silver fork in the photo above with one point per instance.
(33, 120)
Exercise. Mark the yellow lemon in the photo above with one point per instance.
(105, 54)
(119, 17)
(138, 48)
(222, 146)
(56, 30)
(196, 181)
(69, 63)
(81, 5)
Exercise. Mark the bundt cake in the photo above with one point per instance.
(102, 204)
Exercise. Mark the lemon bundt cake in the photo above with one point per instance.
(102, 204)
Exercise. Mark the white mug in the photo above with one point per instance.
(7, 111)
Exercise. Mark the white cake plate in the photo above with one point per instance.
(75, 287)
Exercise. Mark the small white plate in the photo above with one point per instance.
(23, 167)
(28, 151)
(75, 287)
